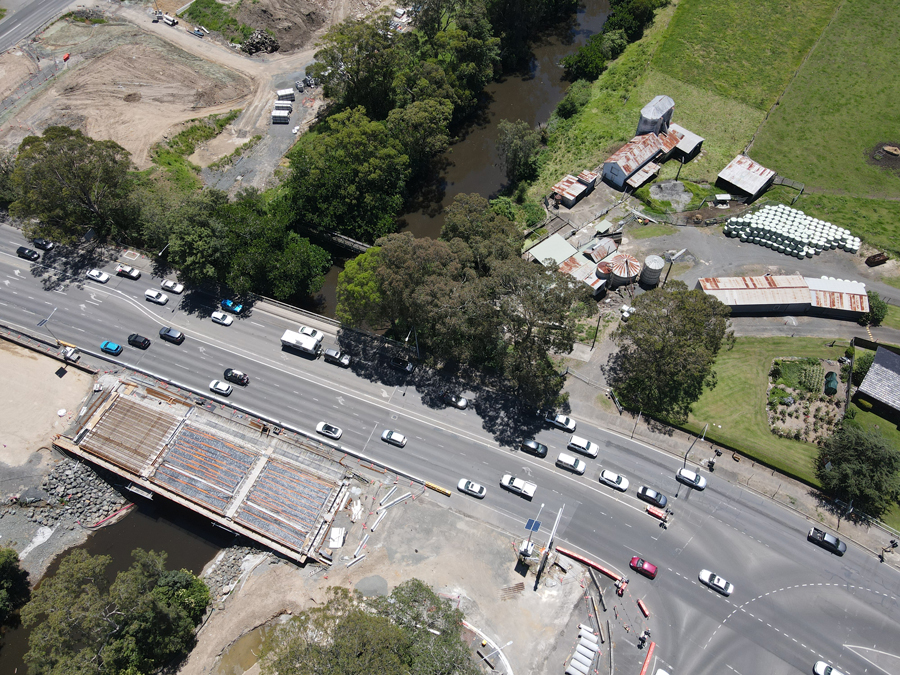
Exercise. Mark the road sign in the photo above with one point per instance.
(533, 525)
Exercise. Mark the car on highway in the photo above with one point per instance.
(329, 430)
(822, 668)
(561, 422)
(171, 335)
(28, 253)
(827, 541)
(716, 582)
(691, 478)
(219, 387)
(222, 318)
(641, 566)
(652, 497)
(398, 363)
(614, 480)
(172, 286)
(138, 341)
(583, 446)
(394, 438)
(158, 297)
(316, 335)
(571, 463)
(231, 306)
(532, 447)
(337, 357)
(111, 348)
(455, 400)
(468, 487)
(43, 244)
(126, 271)
(237, 377)
(98, 276)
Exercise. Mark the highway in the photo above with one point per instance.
(24, 18)
(793, 603)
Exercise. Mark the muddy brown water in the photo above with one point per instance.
(471, 164)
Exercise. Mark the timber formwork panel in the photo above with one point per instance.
(284, 503)
(321, 460)
(130, 434)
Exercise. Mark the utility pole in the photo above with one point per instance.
(43, 324)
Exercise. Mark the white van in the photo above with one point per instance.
(584, 446)
(571, 463)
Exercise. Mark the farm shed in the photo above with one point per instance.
(838, 298)
(689, 145)
(743, 175)
(760, 295)
(656, 116)
(553, 248)
(882, 382)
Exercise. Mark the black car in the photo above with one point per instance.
(27, 253)
(827, 541)
(652, 497)
(43, 244)
(171, 335)
(138, 341)
(534, 448)
(401, 364)
(237, 377)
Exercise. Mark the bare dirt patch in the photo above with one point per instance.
(15, 68)
(294, 23)
(886, 156)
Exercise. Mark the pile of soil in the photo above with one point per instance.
(293, 23)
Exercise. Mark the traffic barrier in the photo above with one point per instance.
(438, 488)
(590, 563)
(648, 658)
(643, 609)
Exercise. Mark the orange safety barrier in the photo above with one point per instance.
(656, 513)
(590, 563)
(643, 608)
(649, 656)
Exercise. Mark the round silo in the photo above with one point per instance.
(603, 271)
(653, 266)
(624, 269)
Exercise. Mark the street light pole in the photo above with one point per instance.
(531, 531)
(43, 324)
(692, 445)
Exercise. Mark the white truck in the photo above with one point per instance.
(518, 485)
(300, 342)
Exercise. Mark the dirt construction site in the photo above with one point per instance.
(135, 81)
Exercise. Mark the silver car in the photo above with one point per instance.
(394, 438)
(329, 430)
(222, 318)
(172, 286)
(716, 582)
(219, 387)
(691, 479)
(561, 421)
(98, 276)
(614, 480)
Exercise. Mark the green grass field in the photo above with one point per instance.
(650, 231)
(738, 402)
(745, 51)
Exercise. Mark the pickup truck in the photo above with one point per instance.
(518, 485)
(70, 354)
(827, 541)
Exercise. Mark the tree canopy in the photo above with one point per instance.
(14, 587)
(517, 145)
(83, 623)
(877, 310)
(860, 466)
(667, 350)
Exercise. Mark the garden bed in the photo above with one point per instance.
(797, 404)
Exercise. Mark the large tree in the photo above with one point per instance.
(421, 129)
(82, 623)
(517, 145)
(350, 178)
(490, 236)
(14, 587)
(667, 350)
(860, 466)
(72, 184)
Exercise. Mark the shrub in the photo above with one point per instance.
(877, 310)
(850, 352)
(861, 367)
(576, 98)
(864, 404)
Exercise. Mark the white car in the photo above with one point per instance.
(128, 271)
(822, 668)
(173, 286)
(561, 421)
(470, 488)
(220, 387)
(394, 438)
(716, 582)
(614, 480)
(222, 318)
(316, 335)
(691, 479)
(584, 446)
(97, 275)
(329, 430)
(158, 297)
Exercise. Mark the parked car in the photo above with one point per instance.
(532, 447)
(401, 364)
(561, 421)
(173, 286)
(43, 244)
(126, 271)
(329, 430)
(231, 306)
(98, 276)
(111, 348)
(468, 487)
(237, 377)
(316, 335)
(571, 463)
(337, 357)
(138, 341)
(691, 479)
(583, 446)
(222, 318)
(171, 335)
(459, 402)
(219, 387)
(614, 480)
(652, 497)
(158, 297)
(716, 582)
(28, 253)
(822, 668)
(394, 438)
(641, 566)
(827, 541)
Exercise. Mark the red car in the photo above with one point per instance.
(641, 566)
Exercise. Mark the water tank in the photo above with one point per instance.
(603, 271)
(653, 266)
(624, 269)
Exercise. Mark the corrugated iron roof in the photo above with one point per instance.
(601, 249)
(643, 174)
(745, 283)
(689, 140)
(849, 296)
(744, 173)
(588, 177)
(554, 247)
(635, 153)
(765, 290)
(658, 107)
(624, 265)
(570, 187)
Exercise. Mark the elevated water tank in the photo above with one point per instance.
(624, 269)
(653, 266)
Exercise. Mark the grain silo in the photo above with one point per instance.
(653, 266)
(624, 269)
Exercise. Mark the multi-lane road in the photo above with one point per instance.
(793, 603)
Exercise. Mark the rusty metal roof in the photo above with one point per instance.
(689, 140)
(635, 153)
(765, 290)
(643, 174)
(848, 296)
(744, 173)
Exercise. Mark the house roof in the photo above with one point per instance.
(569, 186)
(882, 382)
(553, 247)
(689, 140)
(744, 173)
